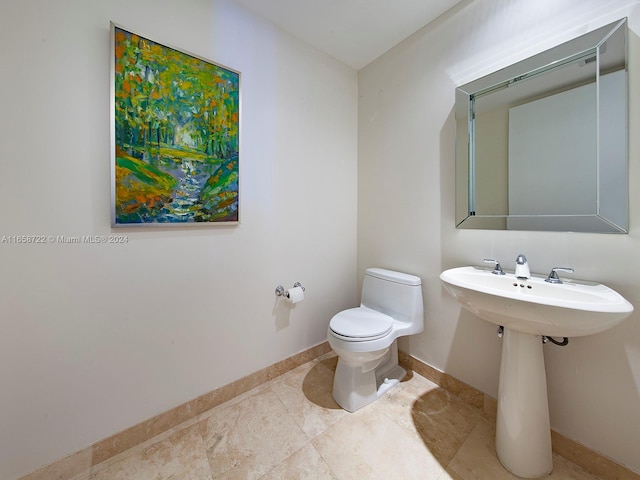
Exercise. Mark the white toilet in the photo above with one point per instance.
(365, 337)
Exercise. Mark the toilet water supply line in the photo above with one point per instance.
(545, 338)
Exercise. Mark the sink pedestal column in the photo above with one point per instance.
(523, 433)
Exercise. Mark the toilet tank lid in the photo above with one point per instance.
(392, 276)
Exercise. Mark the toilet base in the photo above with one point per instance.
(356, 385)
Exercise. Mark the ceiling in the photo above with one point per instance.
(356, 32)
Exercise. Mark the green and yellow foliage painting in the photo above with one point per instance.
(176, 121)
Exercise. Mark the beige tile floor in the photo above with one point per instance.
(290, 428)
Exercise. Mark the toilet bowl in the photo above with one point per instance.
(365, 337)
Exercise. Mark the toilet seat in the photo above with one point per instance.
(360, 324)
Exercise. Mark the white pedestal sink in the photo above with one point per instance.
(528, 309)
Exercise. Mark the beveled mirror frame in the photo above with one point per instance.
(604, 48)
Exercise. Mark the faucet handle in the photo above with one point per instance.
(553, 276)
(498, 269)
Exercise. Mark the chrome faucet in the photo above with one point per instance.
(522, 268)
(497, 269)
(553, 276)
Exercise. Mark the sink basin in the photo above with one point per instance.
(569, 309)
(529, 309)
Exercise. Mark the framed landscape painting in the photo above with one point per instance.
(175, 127)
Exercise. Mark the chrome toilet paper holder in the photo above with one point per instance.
(281, 292)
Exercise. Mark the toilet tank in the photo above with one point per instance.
(396, 294)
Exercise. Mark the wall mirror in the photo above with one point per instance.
(542, 144)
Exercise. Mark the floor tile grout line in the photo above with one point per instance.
(328, 464)
(144, 445)
(479, 413)
(475, 427)
(333, 472)
(198, 418)
(140, 447)
(316, 362)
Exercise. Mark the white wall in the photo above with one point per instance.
(406, 210)
(96, 338)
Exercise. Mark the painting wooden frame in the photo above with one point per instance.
(175, 136)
